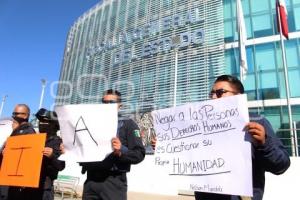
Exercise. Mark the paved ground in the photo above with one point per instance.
(144, 196)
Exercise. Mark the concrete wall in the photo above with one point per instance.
(150, 179)
(285, 186)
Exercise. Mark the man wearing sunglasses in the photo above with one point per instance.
(20, 117)
(20, 126)
(106, 180)
(268, 152)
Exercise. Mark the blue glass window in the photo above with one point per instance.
(248, 27)
(268, 80)
(294, 78)
(297, 18)
(273, 115)
(227, 9)
(246, 7)
(228, 32)
(265, 57)
(291, 21)
(262, 25)
(250, 86)
(268, 85)
(250, 61)
(230, 62)
(292, 55)
(259, 5)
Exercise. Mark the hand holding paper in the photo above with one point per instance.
(48, 152)
(257, 131)
(116, 146)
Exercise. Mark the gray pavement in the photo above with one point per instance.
(143, 196)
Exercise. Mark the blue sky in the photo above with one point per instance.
(32, 41)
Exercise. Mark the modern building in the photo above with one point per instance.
(162, 53)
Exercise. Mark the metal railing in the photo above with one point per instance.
(291, 142)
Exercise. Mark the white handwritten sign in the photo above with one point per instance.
(5, 130)
(204, 145)
(87, 130)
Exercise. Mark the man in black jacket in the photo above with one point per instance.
(107, 180)
(20, 126)
(268, 152)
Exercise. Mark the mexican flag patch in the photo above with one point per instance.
(137, 133)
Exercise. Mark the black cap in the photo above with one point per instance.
(46, 115)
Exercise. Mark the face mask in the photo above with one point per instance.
(19, 119)
(48, 127)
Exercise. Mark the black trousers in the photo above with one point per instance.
(21, 193)
(44, 192)
(110, 187)
(3, 192)
(48, 193)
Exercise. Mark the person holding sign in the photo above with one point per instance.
(50, 165)
(268, 152)
(106, 180)
(20, 126)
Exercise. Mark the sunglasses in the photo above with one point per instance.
(18, 113)
(219, 93)
(109, 101)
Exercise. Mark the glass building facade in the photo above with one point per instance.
(265, 83)
(164, 52)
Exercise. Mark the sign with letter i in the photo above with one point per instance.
(22, 160)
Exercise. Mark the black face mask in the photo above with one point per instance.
(48, 127)
(19, 119)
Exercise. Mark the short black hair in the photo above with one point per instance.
(234, 81)
(113, 92)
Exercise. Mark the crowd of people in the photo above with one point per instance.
(106, 180)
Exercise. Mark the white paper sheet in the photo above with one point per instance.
(5, 130)
(204, 145)
(87, 130)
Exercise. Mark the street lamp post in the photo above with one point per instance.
(42, 93)
(175, 43)
(2, 104)
(175, 78)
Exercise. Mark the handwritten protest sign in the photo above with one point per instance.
(22, 160)
(204, 145)
(87, 130)
(5, 130)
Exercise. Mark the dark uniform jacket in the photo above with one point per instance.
(23, 129)
(51, 166)
(132, 152)
(270, 157)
